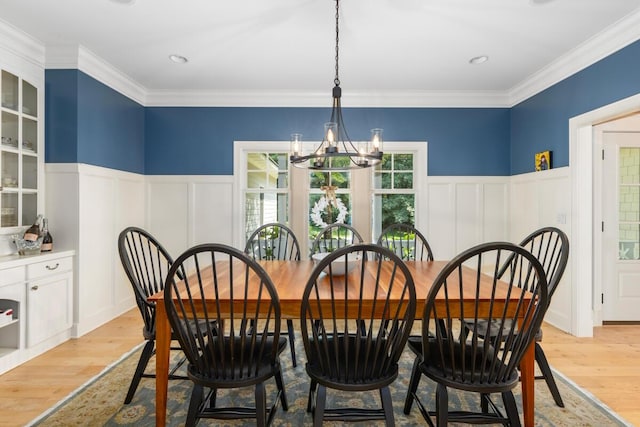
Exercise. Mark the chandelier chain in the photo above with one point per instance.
(337, 78)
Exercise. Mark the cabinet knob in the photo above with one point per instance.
(48, 267)
(34, 288)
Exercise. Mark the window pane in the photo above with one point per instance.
(318, 179)
(403, 180)
(321, 214)
(256, 180)
(341, 179)
(280, 160)
(382, 180)
(629, 243)
(256, 161)
(629, 208)
(29, 208)
(263, 208)
(340, 162)
(392, 208)
(283, 180)
(629, 165)
(403, 162)
(385, 164)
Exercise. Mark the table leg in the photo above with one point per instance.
(527, 382)
(163, 344)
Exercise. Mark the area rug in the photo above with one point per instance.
(100, 401)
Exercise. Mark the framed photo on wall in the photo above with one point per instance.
(543, 161)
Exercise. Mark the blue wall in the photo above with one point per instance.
(542, 121)
(199, 140)
(87, 122)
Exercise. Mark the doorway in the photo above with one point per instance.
(620, 225)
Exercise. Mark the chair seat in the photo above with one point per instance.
(437, 368)
(234, 356)
(483, 327)
(358, 371)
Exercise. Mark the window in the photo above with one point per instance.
(368, 199)
(394, 194)
(267, 190)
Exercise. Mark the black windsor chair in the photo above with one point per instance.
(453, 358)
(406, 241)
(335, 236)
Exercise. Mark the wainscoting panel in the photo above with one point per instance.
(184, 211)
(466, 211)
(542, 199)
(87, 207)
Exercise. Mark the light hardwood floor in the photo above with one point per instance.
(606, 365)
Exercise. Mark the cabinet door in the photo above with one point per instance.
(49, 307)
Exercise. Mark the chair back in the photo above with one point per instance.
(550, 246)
(227, 315)
(493, 289)
(146, 263)
(354, 326)
(335, 236)
(407, 242)
(273, 241)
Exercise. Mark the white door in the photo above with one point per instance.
(621, 226)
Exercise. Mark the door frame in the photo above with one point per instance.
(583, 261)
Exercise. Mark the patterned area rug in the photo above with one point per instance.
(99, 402)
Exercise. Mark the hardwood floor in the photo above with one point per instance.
(606, 365)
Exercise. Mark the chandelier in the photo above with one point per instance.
(337, 152)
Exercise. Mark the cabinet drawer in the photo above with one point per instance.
(47, 268)
(11, 275)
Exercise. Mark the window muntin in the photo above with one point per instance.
(394, 199)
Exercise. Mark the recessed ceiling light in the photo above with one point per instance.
(178, 59)
(540, 1)
(124, 1)
(479, 59)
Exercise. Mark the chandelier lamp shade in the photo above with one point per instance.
(337, 151)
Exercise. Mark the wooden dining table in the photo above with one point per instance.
(290, 278)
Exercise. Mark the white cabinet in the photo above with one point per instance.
(49, 299)
(39, 290)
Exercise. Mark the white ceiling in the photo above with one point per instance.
(287, 46)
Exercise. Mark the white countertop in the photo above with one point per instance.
(16, 260)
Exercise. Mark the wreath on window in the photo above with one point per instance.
(325, 209)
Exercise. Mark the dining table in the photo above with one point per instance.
(289, 279)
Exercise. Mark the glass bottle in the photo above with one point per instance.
(33, 233)
(47, 240)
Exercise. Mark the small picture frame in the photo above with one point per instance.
(543, 161)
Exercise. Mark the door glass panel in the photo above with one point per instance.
(391, 209)
(9, 210)
(9, 130)
(29, 172)
(629, 203)
(9, 170)
(29, 99)
(29, 208)
(9, 91)
(29, 135)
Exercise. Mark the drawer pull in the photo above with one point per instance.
(34, 288)
(54, 267)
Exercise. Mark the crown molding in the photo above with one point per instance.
(409, 99)
(81, 58)
(21, 44)
(614, 38)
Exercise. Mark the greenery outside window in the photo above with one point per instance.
(394, 199)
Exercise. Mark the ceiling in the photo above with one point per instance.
(288, 46)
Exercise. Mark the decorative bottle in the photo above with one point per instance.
(47, 240)
(33, 233)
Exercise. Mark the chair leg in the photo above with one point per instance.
(147, 352)
(197, 393)
(321, 401)
(484, 403)
(387, 406)
(283, 394)
(312, 393)
(442, 406)
(511, 408)
(541, 359)
(413, 385)
(292, 343)
(261, 406)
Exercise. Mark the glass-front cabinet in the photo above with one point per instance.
(19, 151)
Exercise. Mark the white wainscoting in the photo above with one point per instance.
(540, 199)
(466, 211)
(89, 205)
